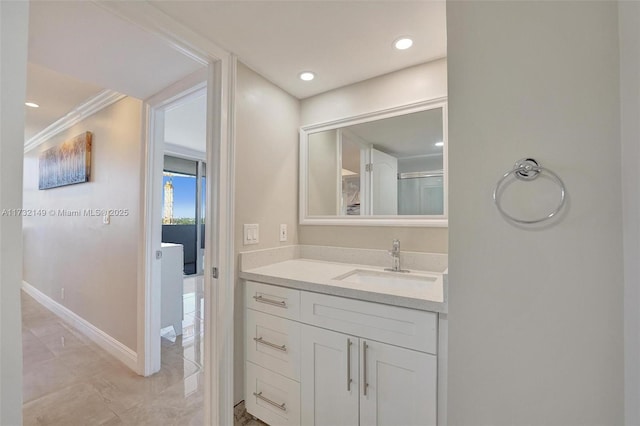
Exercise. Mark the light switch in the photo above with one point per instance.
(251, 233)
(283, 232)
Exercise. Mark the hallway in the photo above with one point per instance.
(68, 380)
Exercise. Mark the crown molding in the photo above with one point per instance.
(91, 106)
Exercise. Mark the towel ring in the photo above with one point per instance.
(528, 169)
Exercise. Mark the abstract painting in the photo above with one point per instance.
(67, 163)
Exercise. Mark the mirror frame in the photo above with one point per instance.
(440, 221)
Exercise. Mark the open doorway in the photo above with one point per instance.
(183, 171)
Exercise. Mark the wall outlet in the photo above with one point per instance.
(251, 233)
(283, 232)
(62, 293)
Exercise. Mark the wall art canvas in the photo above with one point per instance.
(66, 164)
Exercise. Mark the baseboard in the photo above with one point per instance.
(99, 337)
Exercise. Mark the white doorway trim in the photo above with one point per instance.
(219, 297)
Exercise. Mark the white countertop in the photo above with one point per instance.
(319, 276)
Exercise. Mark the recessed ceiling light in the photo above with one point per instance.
(439, 144)
(403, 43)
(307, 76)
(32, 105)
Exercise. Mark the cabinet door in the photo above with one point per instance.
(400, 386)
(329, 378)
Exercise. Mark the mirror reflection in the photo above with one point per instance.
(387, 167)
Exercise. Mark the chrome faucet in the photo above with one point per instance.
(395, 255)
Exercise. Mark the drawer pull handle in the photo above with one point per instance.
(260, 299)
(268, 401)
(349, 365)
(282, 348)
(365, 385)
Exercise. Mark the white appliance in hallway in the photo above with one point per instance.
(172, 286)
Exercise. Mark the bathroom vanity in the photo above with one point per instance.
(331, 338)
(330, 343)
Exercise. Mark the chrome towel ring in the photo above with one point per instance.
(528, 169)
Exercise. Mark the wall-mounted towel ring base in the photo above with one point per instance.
(528, 169)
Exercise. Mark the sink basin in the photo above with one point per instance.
(388, 279)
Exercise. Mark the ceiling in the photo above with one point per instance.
(343, 42)
(405, 135)
(78, 48)
(80, 39)
(186, 124)
(56, 93)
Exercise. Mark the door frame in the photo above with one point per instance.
(219, 291)
(150, 273)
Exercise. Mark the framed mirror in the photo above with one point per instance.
(384, 168)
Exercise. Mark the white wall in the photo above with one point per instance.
(535, 315)
(96, 264)
(629, 21)
(410, 85)
(14, 21)
(267, 120)
(420, 164)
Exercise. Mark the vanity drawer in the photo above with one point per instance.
(280, 301)
(274, 343)
(398, 326)
(271, 397)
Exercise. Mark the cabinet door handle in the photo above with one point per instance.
(349, 365)
(260, 340)
(365, 385)
(260, 299)
(268, 401)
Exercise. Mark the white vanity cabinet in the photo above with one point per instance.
(400, 383)
(330, 388)
(319, 360)
(272, 353)
(401, 386)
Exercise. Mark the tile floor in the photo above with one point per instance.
(242, 418)
(68, 380)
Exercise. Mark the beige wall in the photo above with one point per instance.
(96, 264)
(323, 174)
(535, 314)
(629, 21)
(429, 240)
(413, 84)
(418, 83)
(14, 20)
(267, 120)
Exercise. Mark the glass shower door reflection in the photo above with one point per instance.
(421, 195)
